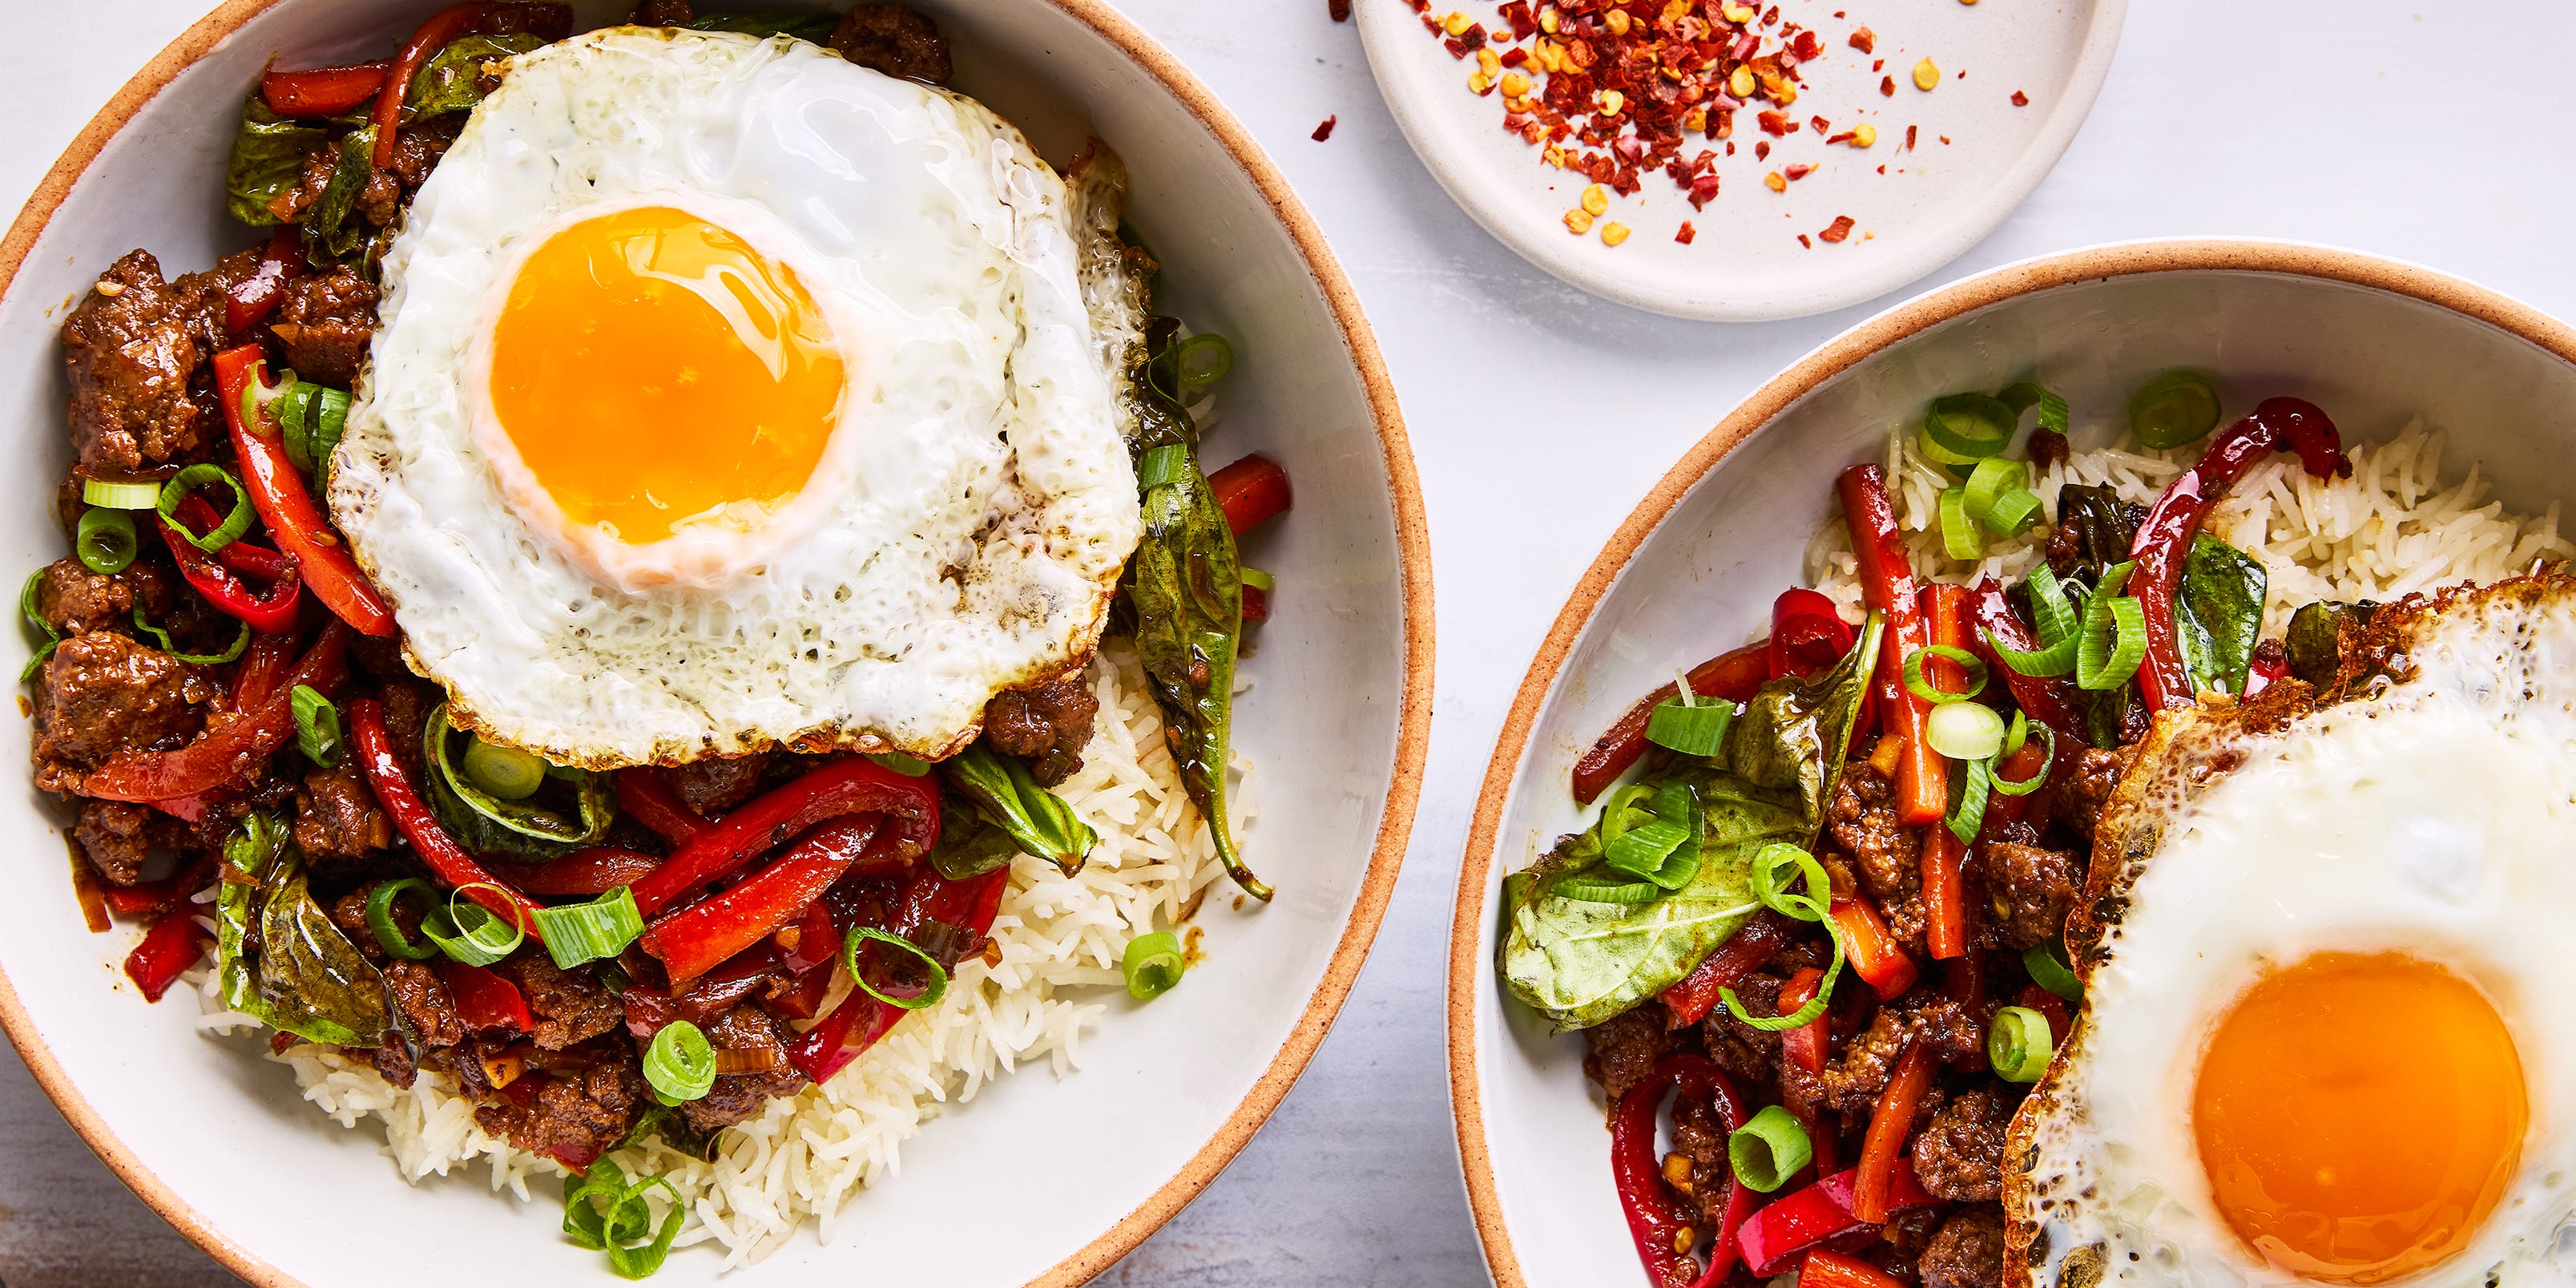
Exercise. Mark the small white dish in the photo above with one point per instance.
(1745, 262)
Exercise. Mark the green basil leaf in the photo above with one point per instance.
(1006, 796)
(267, 162)
(312, 982)
(968, 845)
(2218, 616)
(333, 229)
(449, 81)
(572, 809)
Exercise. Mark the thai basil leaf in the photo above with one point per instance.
(253, 846)
(572, 809)
(450, 80)
(2103, 526)
(2315, 639)
(1580, 962)
(332, 228)
(2218, 616)
(311, 978)
(267, 162)
(816, 27)
(1036, 819)
(968, 845)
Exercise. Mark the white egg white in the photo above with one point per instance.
(968, 525)
(2435, 816)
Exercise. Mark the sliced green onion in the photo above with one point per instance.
(1778, 860)
(293, 411)
(2049, 970)
(1162, 465)
(930, 994)
(1804, 1015)
(1920, 686)
(1627, 807)
(241, 640)
(680, 1063)
(470, 932)
(2058, 629)
(52, 637)
(1202, 360)
(1956, 464)
(1968, 811)
(1152, 964)
(2052, 409)
(1989, 482)
(1970, 425)
(317, 725)
(1960, 536)
(587, 932)
(121, 494)
(330, 420)
(105, 542)
(1595, 890)
(2175, 408)
(380, 919)
(1258, 580)
(2018, 1045)
(1690, 730)
(506, 772)
(2114, 638)
(908, 766)
(189, 480)
(2013, 513)
(1965, 731)
(603, 1211)
(2017, 734)
(2024, 787)
(1768, 1149)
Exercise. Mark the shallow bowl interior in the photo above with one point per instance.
(1040, 1179)
(1694, 570)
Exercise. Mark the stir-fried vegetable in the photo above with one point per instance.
(500, 810)
(1007, 797)
(1152, 964)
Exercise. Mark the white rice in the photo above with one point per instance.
(1061, 941)
(2393, 528)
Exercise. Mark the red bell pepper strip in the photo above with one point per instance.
(647, 1010)
(1806, 1043)
(697, 938)
(803, 1000)
(170, 894)
(446, 860)
(959, 911)
(1654, 1222)
(1826, 1268)
(2164, 538)
(249, 302)
(2050, 1006)
(1733, 676)
(595, 870)
(1252, 491)
(173, 944)
(1889, 1123)
(817, 940)
(484, 1000)
(321, 91)
(1888, 586)
(1800, 1220)
(1945, 894)
(256, 680)
(2051, 700)
(1694, 995)
(211, 574)
(552, 21)
(1874, 954)
(278, 492)
(232, 745)
(646, 797)
(852, 785)
(1808, 634)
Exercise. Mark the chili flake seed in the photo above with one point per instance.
(2020, 99)
(1455, 24)
(1480, 83)
(1489, 62)
(1578, 222)
(1740, 82)
(1687, 234)
(1612, 100)
(1613, 233)
(1864, 40)
(1595, 199)
(1864, 135)
(1516, 84)
(1774, 182)
(1739, 14)
(1325, 130)
(1684, 1239)
(1926, 75)
(1617, 21)
(1839, 229)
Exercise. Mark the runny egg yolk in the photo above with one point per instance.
(650, 367)
(2359, 1115)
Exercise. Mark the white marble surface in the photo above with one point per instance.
(2435, 133)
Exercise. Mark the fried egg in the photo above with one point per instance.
(2327, 1035)
(732, 395)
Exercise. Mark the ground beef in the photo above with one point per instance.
(1852, 1083)
(579, 1115)
(1746, 1053)
(1862, 816)
(893, 39)
(736, 1097)
(1700, 1135)
(570, 1006)
(2032, 889)
(289, 206)
(1960, 1156)
(393, 1059)
(73, 600)
(118, 836)
(103, 693)
(1624, 1049)
(336, 816)
(407, 708)
(1967, 1253)
(133, 347)
(663, 13)
(427, 1009)
(325, 322)
(1047, 725)
(2084, 786)
(711, 787)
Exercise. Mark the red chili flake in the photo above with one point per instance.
(1882, 169)
(1772, 18)
(2020, 99)
(1819, 122)
(1799, 170)
(1809, 45)
(1887, 86)
(1802, 240)
(1517, 13)
(1945, 140)
(1513, 57)
(1775, 123)
(1325, 130)
(1878, 64)
(1909, 138)
(1687, 233)
(1340, 9)
(1844, 137)
(1762, 149)
(1863, 39)
(1837, 230)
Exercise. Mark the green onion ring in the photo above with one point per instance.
(105, 541)
(2017, 734)
(331, 419)
(1919, 686)
(467, 931)
(1162, 465)
(1972, 425)
(591, 930)
(2174, 408)
(293, 410)
(1768, 1149)
(2007, 787)
(1989, 482)
(2052, 409)
(680, 1063)
(1968, 813)
(380, 919)
(241, 640)
(1965, 731)
(189, 480)
(2048, 969)
(2114, 638)
(1595, 890)
(317, 725)
(1258, 580)
(2018, 1045)
(1961, 538)
(1770, 862)
(2013, 513)
(121, 494)
(53, 638)
(1202, 360)
(1641, 850)
(1804, 1015)
(506, 772)
(1152, 964)
(1691, 730)
(1622, 812)
(929, 995)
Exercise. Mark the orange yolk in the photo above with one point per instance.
(2359, 1115)
(650, 366)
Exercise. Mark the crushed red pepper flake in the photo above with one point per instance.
(1909, 138)
(1863, 39)
(2020, 99)
(1762, 149)
(1887, 86)
(1799, 170)
(1839, 229)
(1802, 240)
(1687, 233)
(1325, 130)
(1340, 9)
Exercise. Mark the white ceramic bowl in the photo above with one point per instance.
(1693, 571)
(1040, 1180)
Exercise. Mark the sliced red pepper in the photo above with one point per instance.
(1256, 604)
(1693, 996)
(2164, 538)
(484, 1000)
(552, 21)
(1806, 1043)
(1873, 953)
(1808, 634)
(817, 942)
(1801, 1219)
(1889, 1123)
(321, 91)
(446, 860)
(166, 895)
(173, 944)
(1826, 1268)
(934, 908)
(1253, 491)
(256, 681)
(212, 574)
(249, 302)
(645, 796)
(1734, 676)
(2051, 700)
(1888, 586)
(278, 492)
(233, 745)
(697, 938)
(851, 785)
(1655, 1223)
(1945, 894)
(595, 870)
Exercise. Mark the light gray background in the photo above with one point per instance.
(2435, 133)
